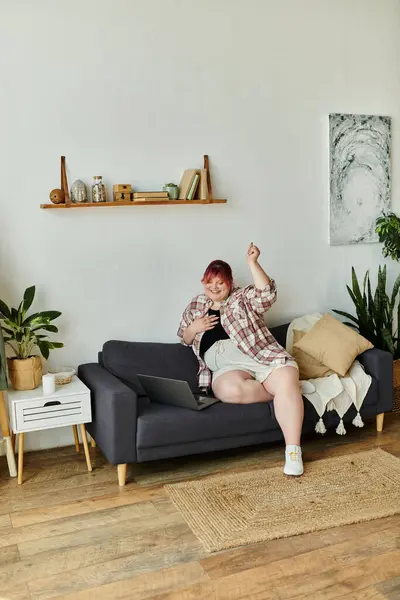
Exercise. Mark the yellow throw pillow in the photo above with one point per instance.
(309, 367)
(333, 344)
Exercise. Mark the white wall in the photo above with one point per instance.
(138, 91)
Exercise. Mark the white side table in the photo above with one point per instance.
(33, 411)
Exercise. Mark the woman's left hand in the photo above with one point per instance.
(252, 254)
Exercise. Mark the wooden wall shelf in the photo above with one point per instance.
(138, 203)
(161, 201)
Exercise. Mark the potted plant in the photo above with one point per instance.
(375, 311)
(23, 334)
(172, 189)
(375, 319)
(388, 230)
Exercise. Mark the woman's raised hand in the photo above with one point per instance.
(252, 254)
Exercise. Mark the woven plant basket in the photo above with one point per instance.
(396, 386)
(25, 374)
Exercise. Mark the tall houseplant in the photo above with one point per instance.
(388, 230)
(23, 334)
(375, 311)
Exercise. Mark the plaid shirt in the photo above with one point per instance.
(241, 317)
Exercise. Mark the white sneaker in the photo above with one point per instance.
(294, 461)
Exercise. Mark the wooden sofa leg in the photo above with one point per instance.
(379, 421)
(121, 474)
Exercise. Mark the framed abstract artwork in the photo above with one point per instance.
(360, 176)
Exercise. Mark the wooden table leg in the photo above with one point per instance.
(379, 421)
(20, 457)
(76, 438)
(5, 430)
(86, 446)
(121, 474)
(92, 442)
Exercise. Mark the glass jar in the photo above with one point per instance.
(98, 189)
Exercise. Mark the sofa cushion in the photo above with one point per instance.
(126, 359)
(161, 425)
(334, 344)
(309, 368)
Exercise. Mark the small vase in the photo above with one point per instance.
(25, 374)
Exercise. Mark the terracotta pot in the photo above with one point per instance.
(25, 374)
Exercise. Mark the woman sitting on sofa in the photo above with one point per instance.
(238, 355)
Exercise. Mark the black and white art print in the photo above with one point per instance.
(360, 176)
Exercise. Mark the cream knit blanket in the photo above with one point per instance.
(333, 392)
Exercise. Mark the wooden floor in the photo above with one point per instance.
(66, 533)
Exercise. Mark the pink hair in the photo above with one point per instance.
(218, 268)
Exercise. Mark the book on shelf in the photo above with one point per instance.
(193, 187)
(141, 195)
(186, 183)
(202, 189)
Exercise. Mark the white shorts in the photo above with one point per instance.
(224, 356)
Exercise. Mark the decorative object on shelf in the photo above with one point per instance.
(64, 376)
(375, 319)
(203, 195)
(57, 196)
(22, 334)
(360, 176)
(122, 192)
(98, 189)
(122, 187)
(78, 192)
(123, 196)
(61, 196)
(172, 190)
(48, 384)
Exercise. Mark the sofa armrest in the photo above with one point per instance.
(114, 413)
(379, 364)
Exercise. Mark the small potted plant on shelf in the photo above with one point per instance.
(172, 189)
(23, 334)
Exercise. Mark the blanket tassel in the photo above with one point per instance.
(340, 430)
(320, 426)
(357, 421)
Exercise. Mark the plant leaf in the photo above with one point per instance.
(346, 314)
(387, 336)
(44, 349)
(29, 296)
(46, 327)
(4, 310)
(50, 314)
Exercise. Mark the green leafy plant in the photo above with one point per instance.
(388, 230)
(22, 331)
(375, 311)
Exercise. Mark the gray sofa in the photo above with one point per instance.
(129, 428)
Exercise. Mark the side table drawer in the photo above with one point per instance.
(52, 412)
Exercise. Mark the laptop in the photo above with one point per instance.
(174, 392)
